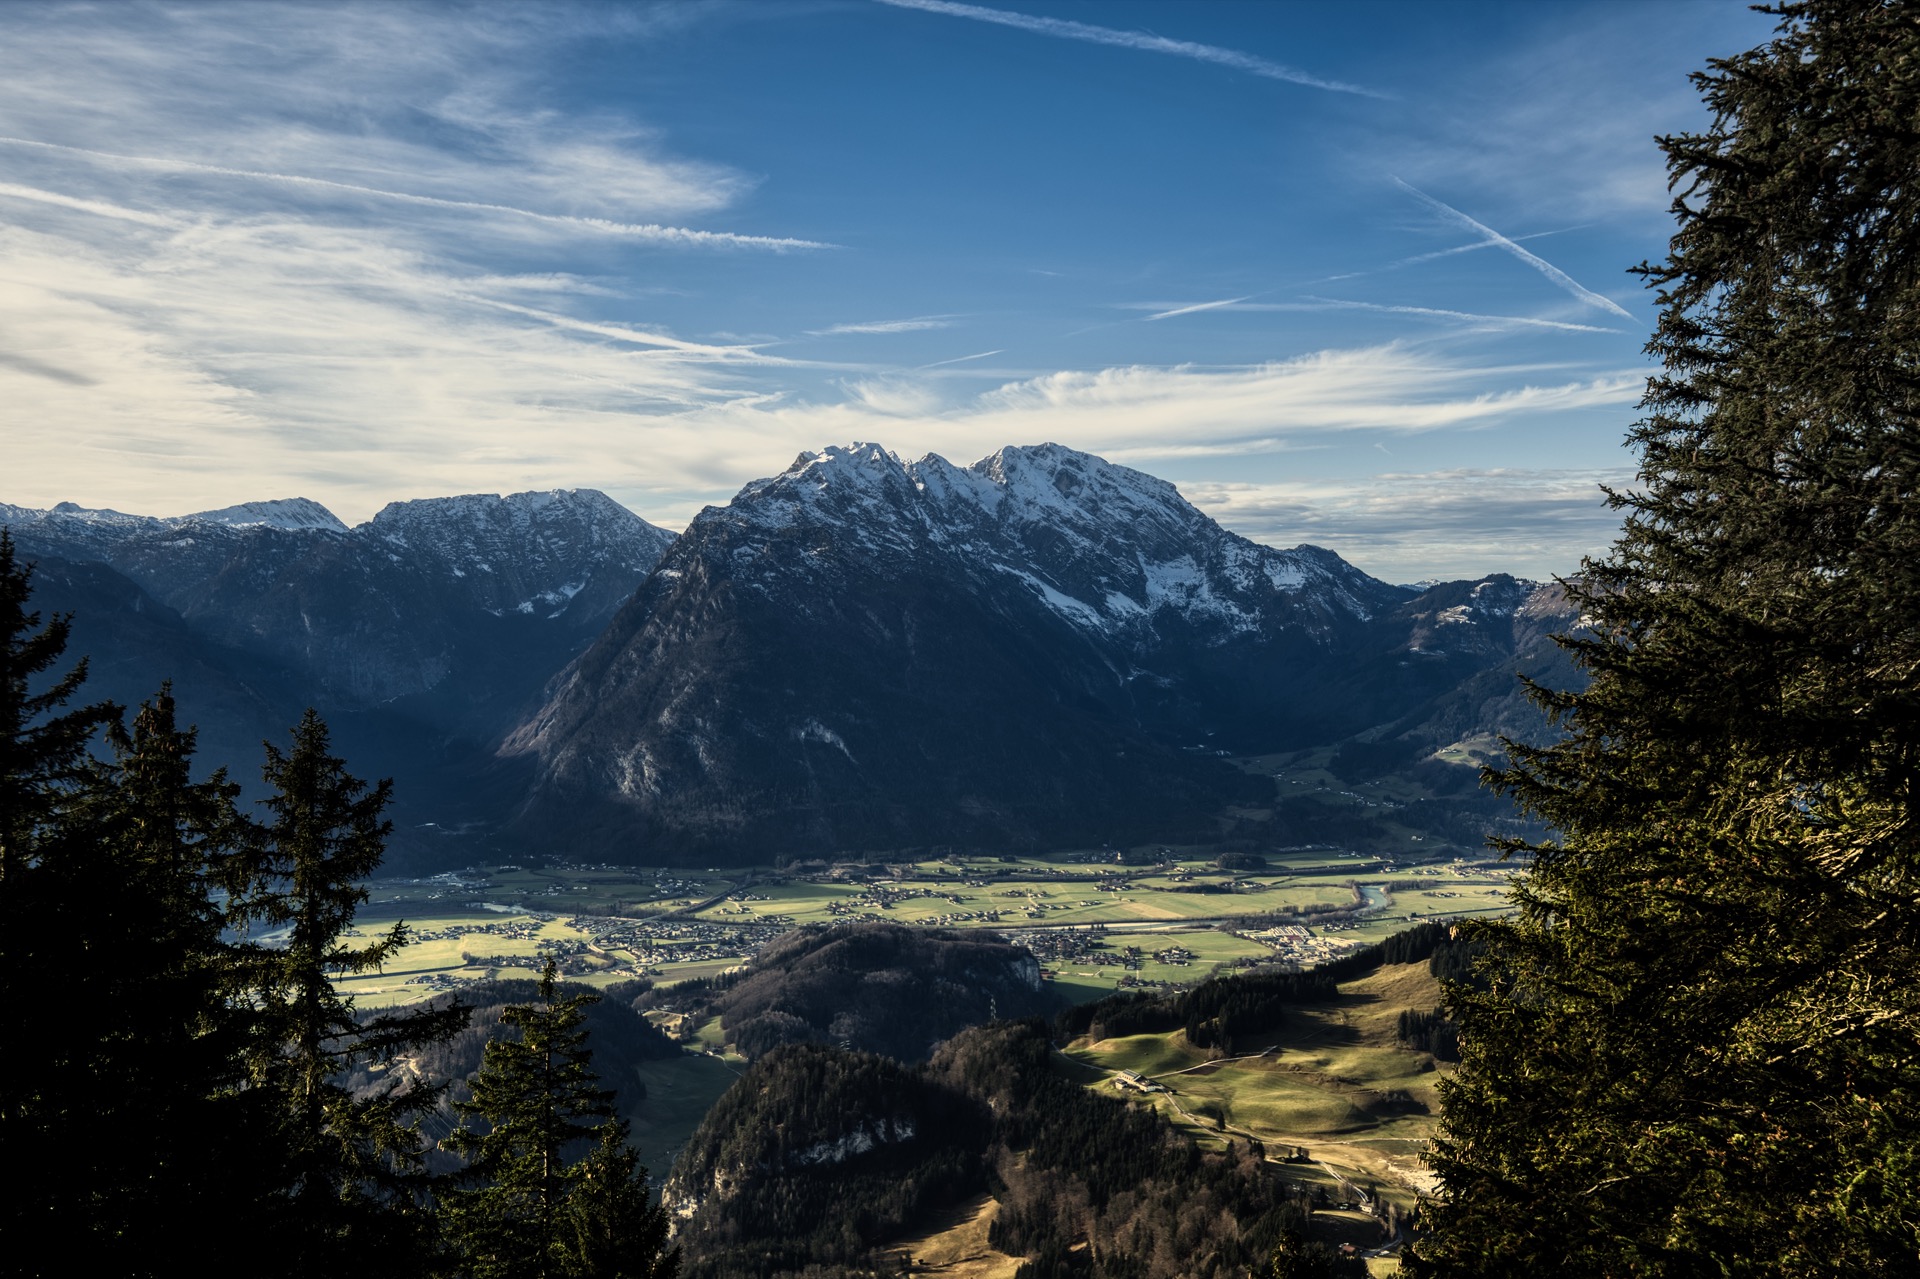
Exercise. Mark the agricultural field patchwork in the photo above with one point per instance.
(1097, 924)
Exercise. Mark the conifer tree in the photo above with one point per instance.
(542, 1211)
(351, 1164)
(43, 749)
(162, 1135)
(614, 1229)
(1697, 1049)
(46, 771)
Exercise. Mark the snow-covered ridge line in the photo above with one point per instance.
(1103, 546)
(292, 513)
(301, 514)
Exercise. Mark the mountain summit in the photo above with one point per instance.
(867, 652)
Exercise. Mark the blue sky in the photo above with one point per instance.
(1351, 274)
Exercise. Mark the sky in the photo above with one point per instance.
(1351, 274)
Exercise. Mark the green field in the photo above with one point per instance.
(608, 924)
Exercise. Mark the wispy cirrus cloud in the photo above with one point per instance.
(347, 244)
(1144, 41)
(99, 208)
(651, 231)
(180, 367)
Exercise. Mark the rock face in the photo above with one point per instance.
(422, 634)
(1040, 647)
(1496, 629)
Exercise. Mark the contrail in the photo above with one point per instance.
(1527, 320)
(620, 332)
(1539, 264)
(962, 359)
(1198, 306)
(645, 230)
(1144, 41)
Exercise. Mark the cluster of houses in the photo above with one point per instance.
(673, 940)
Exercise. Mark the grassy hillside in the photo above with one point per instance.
(1334, 1078)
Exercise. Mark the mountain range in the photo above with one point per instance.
(862, 652)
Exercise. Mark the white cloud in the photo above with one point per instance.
(389, 102)
(1441, 524)
(1141, 415)
(171, 369)
(248, 247)
(649, 231)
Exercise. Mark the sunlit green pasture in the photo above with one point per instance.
(1334, 1079)
(459, 918)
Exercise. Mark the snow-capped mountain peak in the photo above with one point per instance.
(291, 513)
(1104, 547)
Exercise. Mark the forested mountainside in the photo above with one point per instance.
(619, 1036)
(819, 1157)
(882, 988)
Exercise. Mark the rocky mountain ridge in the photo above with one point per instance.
(422, 634)
(868, 652)
(1041, 648)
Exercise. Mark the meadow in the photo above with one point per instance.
(1334, 1082)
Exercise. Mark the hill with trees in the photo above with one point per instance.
(879, 988)
(820, 1158)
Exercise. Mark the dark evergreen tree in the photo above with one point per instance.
(350, 1178)
(43, 750)
(162, 1141)
(1696, 1050)
(615, 1230)
(46, 773)
(542, 1209)
(1298, 1258)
